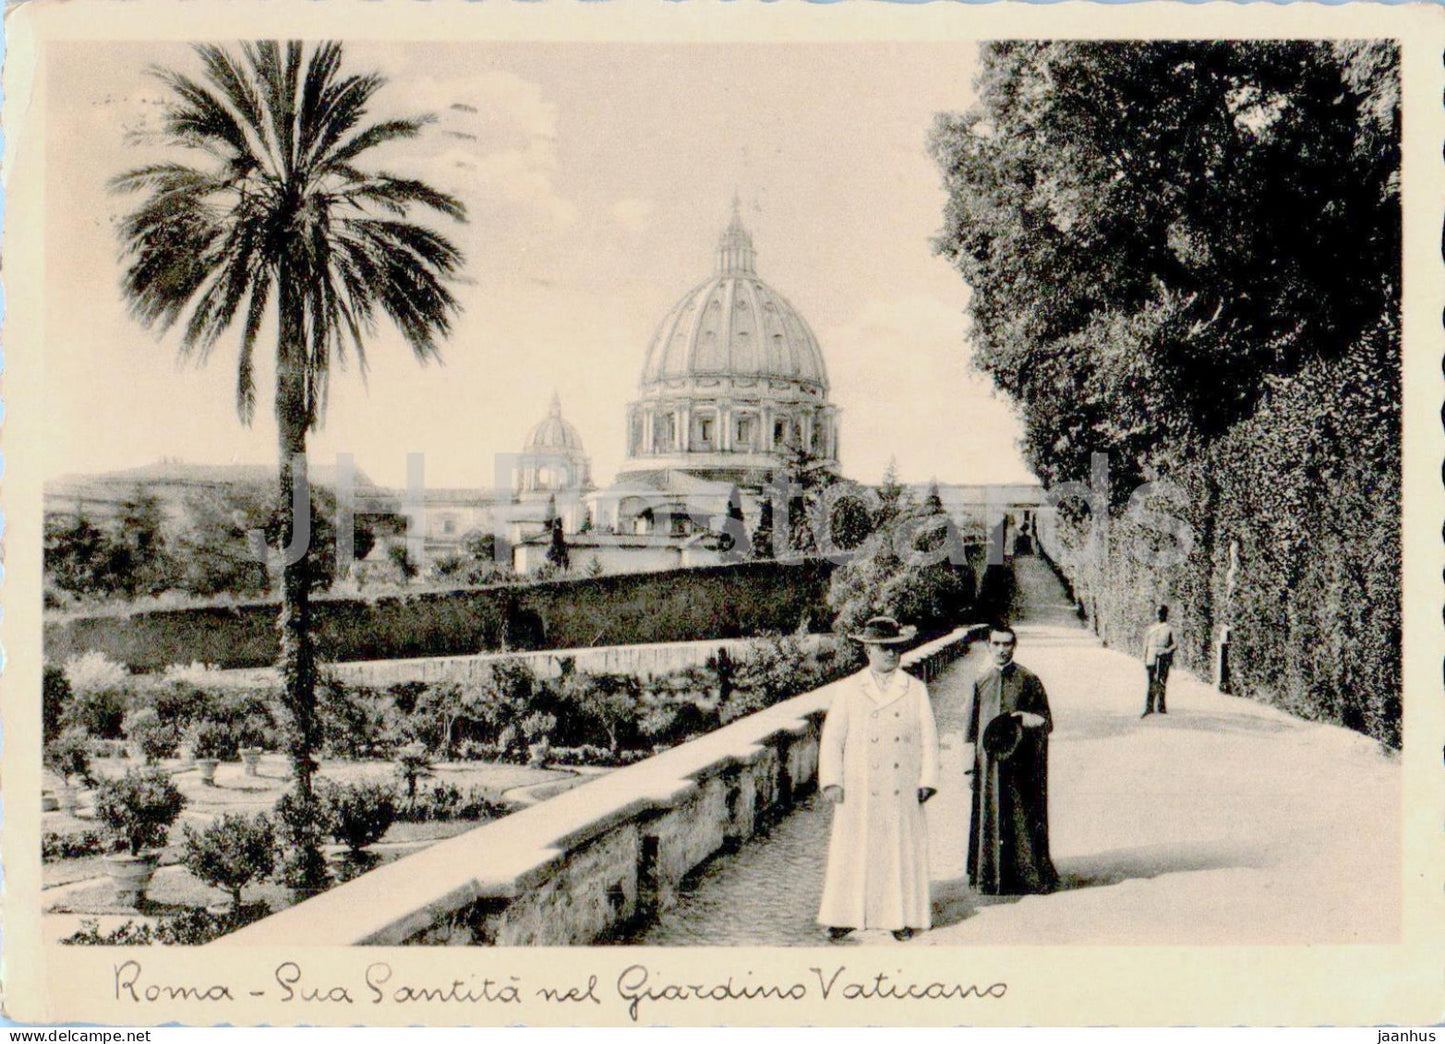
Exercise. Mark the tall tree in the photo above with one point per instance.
(268, 216)
(892, 495)
(1153, 231)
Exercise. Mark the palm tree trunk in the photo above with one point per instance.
(298, 660)
(297, 657)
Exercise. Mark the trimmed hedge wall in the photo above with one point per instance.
(1306, 493)
(730, 601)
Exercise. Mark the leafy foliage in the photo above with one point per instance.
(155, 738)
(191, 927)
(917, 569)
(231, 852)
(413, 764)
(444, 802)
(1185, 255)
(359, 814)
(301, 828)
(1152, 229)
(77, 845)
(54, 696)
(68, 756)
(214, 740)
(275, 216)
(138, 809)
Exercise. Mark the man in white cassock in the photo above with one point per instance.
(878, 764)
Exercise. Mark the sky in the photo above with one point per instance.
(597, 178)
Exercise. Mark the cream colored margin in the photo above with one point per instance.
(1339, 985)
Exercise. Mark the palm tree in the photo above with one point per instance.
(275, 221)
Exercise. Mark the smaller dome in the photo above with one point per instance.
(554, 434)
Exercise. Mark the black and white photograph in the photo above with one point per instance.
(846, 496)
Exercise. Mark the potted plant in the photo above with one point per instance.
(213, 742)
(137, 812)
(68, 756)
(154, 738)
(253, 737)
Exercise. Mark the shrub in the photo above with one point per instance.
(180, 703)
(128, 934)
(599, 757)
(611, 702)
(231, 852)
(538, 726)
(138, 809)
(154, 738)
(301, 828)
(405, 694)
(55, 697)
(98, 712)
(446, 802)
(55, 845)
(359, 814)
(355, 722)
(195, 674)
(198, 926)
(214, 740)
(917, 569)
(95, 672)
(680, 605)
(68, 756)
(192, 927)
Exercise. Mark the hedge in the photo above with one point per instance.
(1295, 515)
(681, 605)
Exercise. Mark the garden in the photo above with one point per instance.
(170, 816)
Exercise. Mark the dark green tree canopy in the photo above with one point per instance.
(1154, 231)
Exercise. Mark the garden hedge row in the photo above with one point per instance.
(1295, 516)
(683, 605)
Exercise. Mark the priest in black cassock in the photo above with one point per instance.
(1009, 726)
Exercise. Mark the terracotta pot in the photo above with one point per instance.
(208, 770)
(250, 758)
(131, 875)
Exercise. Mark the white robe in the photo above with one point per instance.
(880, 747)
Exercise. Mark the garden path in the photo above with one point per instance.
(1224, 821)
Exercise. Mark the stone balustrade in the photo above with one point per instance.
(595, 860)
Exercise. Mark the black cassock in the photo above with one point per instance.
(1008, 840)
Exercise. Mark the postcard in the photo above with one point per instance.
(640, 513)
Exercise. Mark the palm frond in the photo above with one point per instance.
(245, 368)
(395, 195)
(284, 218)
(370, 138)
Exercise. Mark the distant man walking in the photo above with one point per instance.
(1009, 726)
(878, 764)
(1159, 648)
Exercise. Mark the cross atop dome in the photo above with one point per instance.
(555, 410)
(735, 253)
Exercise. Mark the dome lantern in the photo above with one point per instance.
(735, 253)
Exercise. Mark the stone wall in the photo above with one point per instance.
(596, 859)
(636, 660)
